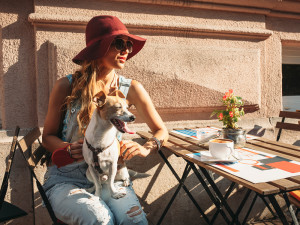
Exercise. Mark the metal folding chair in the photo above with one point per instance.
(9, 211)
(33, 156)
(283, 125)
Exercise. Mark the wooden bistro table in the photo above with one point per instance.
(181, 145)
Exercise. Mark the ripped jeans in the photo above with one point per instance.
(72, 204)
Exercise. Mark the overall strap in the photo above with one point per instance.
(124, 85)
(66, 114)
(69, 76)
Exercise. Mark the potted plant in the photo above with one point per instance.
(230, 116)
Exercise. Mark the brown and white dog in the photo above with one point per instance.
(101, 149)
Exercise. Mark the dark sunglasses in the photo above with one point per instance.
(121, 45)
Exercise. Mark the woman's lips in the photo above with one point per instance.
(122, 59)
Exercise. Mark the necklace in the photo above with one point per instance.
(113, 84)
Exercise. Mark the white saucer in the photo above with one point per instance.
(205, 156)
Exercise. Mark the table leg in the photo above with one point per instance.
(211, 196)
(241, 206)
(290, 207)
(228, 192)
(270, 209)
(252, 204)
(184, 176)
(250, 208)
(181, 184)
(278, 209)
(218, 193)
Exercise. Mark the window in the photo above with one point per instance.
(291, 78)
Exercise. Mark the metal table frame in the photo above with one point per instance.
(218, 199)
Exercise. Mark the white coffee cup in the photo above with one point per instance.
(221, 148)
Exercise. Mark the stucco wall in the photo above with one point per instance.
(195, 51)
(18, 104)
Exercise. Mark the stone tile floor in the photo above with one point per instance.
(267, 222)
(275, 221)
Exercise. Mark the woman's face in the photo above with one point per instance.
(115, 59)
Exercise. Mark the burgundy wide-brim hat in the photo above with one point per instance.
(100, 33)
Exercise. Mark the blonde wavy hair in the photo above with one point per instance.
(84, 87)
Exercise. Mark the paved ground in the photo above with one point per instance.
(270, 222)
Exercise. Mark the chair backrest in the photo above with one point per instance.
(288, 126)
(33, 155)
(9, 211)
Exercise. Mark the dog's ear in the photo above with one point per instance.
(100, 99)
(117, 93)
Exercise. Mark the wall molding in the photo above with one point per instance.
(249, 108)
(79, 22)
(268, 8)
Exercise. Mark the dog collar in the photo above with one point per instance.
(95, 152)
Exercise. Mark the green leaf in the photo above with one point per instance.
(216, 112)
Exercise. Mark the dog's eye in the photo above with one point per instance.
(118, 106)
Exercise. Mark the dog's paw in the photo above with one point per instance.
(90, 190)
(97, 192)
(119, 194)
(126, 182)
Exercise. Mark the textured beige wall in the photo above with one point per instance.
(182, 66)
(195, 52)
(18, 104)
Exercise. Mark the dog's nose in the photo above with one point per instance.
(132, 118)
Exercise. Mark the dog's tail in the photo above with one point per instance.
(136, 175)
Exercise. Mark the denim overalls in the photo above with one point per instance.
(66, 186)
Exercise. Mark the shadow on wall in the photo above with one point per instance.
(175, 98)
(42, 81)
(18, 81)
(284, 25)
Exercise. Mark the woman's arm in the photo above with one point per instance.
(53, 120)
(140, 98)
(54, 115)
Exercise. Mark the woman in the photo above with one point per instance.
(109, 45)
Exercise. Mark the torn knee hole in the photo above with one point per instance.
(76, 191)
(134, 211)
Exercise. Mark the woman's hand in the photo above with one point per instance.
(129, 149)
(75, 150)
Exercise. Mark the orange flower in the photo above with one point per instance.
(221, 116)
(231, 114)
